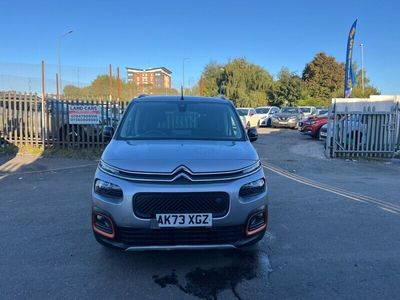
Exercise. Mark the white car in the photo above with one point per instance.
(248, 116)
(308, 111)
(264, 114)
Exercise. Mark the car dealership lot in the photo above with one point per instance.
(334, 232)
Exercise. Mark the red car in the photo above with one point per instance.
(312, 125)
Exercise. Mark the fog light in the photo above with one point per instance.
(257, 222)
(103, 225)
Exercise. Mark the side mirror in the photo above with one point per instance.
(108, 132)
(252, 134)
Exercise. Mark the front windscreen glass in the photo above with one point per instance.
(180, 120)
(290, 110)
(262, 110)
(305, 109)
(242, 111)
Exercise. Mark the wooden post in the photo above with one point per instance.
(131, 89)
(201, 87)
(110, 81)
(43, 105)
(57, 87)
(118, 86)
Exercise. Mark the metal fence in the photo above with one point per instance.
(365, 133)
(27, 120)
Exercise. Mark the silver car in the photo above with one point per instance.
(179, 174)
(287, 117)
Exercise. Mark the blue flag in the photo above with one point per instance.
(350, 80)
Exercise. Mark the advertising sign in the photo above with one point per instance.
(84, 114)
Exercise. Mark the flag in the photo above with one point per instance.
(349, 79)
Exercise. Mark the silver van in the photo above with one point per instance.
(179, 173)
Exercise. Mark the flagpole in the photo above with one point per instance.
(362, 68)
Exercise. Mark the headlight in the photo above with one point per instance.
(252, 188)
(107, 189)
(310, 122)
(292, 118)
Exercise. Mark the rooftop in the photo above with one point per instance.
(149, 69)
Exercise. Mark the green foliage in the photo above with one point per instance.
(212, 76)
(310, 101)
(324, 77)
(286, 90)
(100, 88)
(242, 82)
(368, 88)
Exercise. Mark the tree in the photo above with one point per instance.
(369, 89)
(324, 77)
(287, 90)
(242, 82)
(100, 88)
(212, 75)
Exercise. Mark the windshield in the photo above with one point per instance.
(242, 111)
(305, 109)
(290, 110)
(180, 120)
(262, 110)
(322, 111)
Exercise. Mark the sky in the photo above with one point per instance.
(143, 34)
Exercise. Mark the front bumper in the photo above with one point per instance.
(134, 233)
(306, 129)
(264, 122)
(292, 123)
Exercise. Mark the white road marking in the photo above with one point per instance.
(387, 206)
(4, 175)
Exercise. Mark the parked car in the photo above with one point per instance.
(264, 114)
(322, 110)
(287, 117)
(308, 110)
(248, 116)
(323, 132)
(179, 174)
(312, 125)
(351, 131)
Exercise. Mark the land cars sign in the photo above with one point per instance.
(84, 114)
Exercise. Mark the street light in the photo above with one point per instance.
(183, 71)
(362, 68)
(59, 57)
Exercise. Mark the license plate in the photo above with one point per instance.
(283, 123)
(184, 220)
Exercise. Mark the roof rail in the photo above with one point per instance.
(141, 96)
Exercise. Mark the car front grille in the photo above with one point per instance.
(147, 205)
(179, 236)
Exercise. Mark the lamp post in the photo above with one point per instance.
(59, 56)
(362, 68)
(183, 71)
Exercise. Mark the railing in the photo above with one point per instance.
(62, 123)
(365, 133)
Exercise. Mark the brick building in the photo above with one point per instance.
(149, 79)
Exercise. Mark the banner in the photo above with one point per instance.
(349, 80)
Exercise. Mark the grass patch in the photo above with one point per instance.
(76, 153)
(8, 149)
(88, 153)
